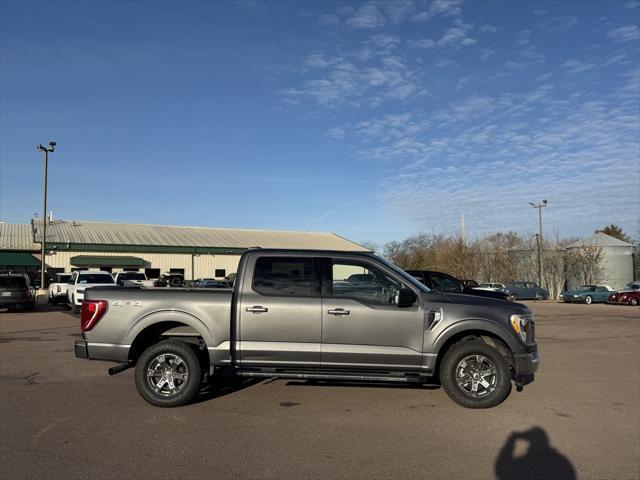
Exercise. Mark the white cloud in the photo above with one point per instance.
(335, 133)
(577, 66)
(632, 4)
(486, 53)
(540, 12)
(367, 16)
(316, 60)
(487, 29)
(523, 37)
(625, 34)
(457, 35)
(328, 20)
(385, 40)
(559, 24)
(442, 8)
(422, 44)
(398, 10)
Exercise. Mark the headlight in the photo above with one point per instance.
(520, 325)
(576, 296)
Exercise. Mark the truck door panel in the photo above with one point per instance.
(362, 327)
(280, 313)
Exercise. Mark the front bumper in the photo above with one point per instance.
(525, 365)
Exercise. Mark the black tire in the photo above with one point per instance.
(175, 282)
(185, 389)
(452, 363)
(588, 299)
(633, 302)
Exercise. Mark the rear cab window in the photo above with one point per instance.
(13, 282)
(87, 278)
(286, 276)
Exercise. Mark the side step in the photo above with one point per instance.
(322, 376)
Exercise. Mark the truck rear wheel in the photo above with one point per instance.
(475, 375)
(168, 374)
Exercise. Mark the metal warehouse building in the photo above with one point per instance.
(196, 252)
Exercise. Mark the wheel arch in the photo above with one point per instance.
(157, 327)
(487, 332)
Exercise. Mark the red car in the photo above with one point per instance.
(629, 295)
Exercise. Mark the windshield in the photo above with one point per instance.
(405, 276)
(132, 276)
(95, 278)
(585, 287)
(63, 278)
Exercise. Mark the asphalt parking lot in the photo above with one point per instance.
(63, 417)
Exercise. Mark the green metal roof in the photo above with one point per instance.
(106, 261)
(18, 259)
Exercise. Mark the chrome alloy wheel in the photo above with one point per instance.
(167, 374)
(476, 376)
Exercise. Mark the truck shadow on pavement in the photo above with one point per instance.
(540, 460)
(223, 385)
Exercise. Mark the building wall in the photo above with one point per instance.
(617, 266)
(204, 265)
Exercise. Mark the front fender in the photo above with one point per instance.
(477, 325)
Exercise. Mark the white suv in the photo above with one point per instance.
(58, 287)
(82, 280)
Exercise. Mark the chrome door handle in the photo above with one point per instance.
(338, 311)
(257, 309)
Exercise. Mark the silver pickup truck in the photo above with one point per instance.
(320, 315)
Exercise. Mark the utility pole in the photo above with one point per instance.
(462, 226)
(50, 149)
(539, 206)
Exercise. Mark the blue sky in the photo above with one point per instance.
(373, 120)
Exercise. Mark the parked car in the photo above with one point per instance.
(130, 279)
(284, 320)
(58, 288)
(82, 281)
(527, 291)
(443, 282)
(493, 287)
(629, 295)
(211, 283)
(170, 279)
(587, 294)
(16, 291)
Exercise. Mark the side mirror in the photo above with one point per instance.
(405, 297)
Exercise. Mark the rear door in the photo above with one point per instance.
(280, 312)
(362, 327)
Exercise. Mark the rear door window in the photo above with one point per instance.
(286, 276)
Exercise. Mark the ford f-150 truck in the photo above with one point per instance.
(318, 315)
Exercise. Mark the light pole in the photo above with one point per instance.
(539, 206)
(50, 149)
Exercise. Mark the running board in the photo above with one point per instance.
(322, 376)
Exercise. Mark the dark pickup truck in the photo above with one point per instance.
(323, 315)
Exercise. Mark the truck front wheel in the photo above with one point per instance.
(168, 374)
(475, 375)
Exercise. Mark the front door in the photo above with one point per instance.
(362, 327)
(279, 313)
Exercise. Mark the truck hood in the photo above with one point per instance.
(476, 301)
